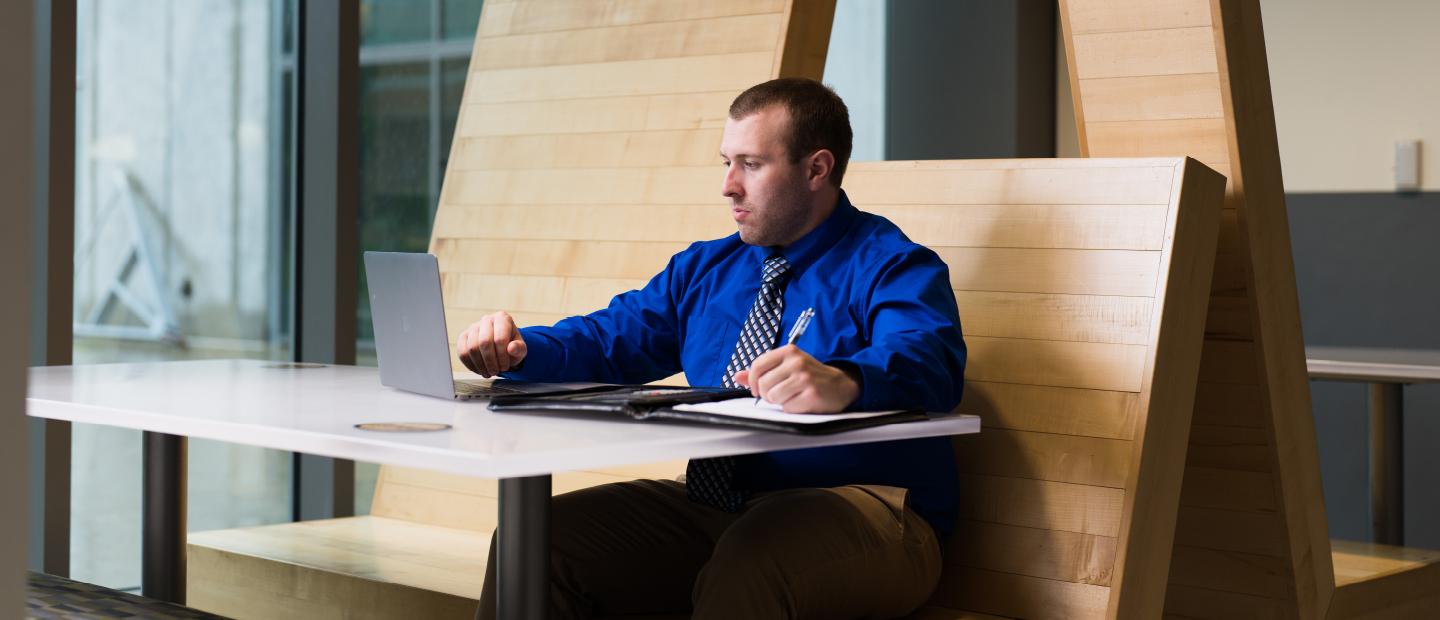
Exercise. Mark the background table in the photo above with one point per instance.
(314, 409)
(1387, 371)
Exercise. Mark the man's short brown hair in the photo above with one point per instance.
(818, 118)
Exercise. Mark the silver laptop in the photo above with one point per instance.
(410, 337)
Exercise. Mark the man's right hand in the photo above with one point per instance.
(491, 345)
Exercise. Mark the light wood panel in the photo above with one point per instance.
(510, 17)
(1228, 404)
(691, 74)
(1048, 554)
(373, 568)
(1252, 414)
(1229, 447)
(674, 39)
(583, 259)
(1229, 571)
(1041, 505)
(1010, 182)
(1204, 138)
(680, 224)
(1048, 409)
(1229, 490)
(589, 150)
(1249, 532)
(680, 111)
(1020, 596)
(1089, 365)
(605, 186)
(471, 503)
(1091, 16)
(1113, 227)
(1183, 601)
(1068, 272)
(1042, 316)
(1131, 53)
(1152, 98)
(1359, 561)
(1167, 392)
(1381, 581)
(1045, 456)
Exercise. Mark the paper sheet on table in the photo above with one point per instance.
(746, 408)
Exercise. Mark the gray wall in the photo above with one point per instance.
(985, 70)
(1365, 266)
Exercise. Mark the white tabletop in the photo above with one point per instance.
(1373, 364)
(315, 410)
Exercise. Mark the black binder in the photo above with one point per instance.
(649, 402)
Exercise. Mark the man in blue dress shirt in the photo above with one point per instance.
(834, 532)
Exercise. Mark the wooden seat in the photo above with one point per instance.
(1384, 581)
(1081, 286)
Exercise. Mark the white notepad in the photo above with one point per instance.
(746, 408)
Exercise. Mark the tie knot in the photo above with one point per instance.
(775, 269)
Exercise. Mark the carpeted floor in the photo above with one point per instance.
(56, 598)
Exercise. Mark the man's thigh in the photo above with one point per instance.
(845, 552)
(629, 548)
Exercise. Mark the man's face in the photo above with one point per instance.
(769, 195)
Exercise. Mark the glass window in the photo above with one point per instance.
(409, 100)
(394, 167)
(394, 21)
(460, 18)
(181, 228)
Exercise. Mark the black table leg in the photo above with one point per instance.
(1387, 477)
(523, 556)
(163, 545)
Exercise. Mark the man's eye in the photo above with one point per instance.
(750, 165)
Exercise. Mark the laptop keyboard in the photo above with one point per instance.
(465, 388)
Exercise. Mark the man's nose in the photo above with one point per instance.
(729, 186)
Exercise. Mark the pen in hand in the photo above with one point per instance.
(801, 323)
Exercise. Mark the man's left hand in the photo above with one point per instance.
(799, 383)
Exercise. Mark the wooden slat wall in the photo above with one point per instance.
(586, 151)
(1177, 77)
(1062, 304)
(585, 155)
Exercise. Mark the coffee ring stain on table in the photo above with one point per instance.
(403, 427)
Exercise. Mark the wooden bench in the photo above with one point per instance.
(1189, 77)
(1081, 287)
(587, 146)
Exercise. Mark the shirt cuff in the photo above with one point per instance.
(870, 380)
(540, 358)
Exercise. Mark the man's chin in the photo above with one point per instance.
(750, 236)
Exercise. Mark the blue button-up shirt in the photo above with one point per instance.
(884, 310)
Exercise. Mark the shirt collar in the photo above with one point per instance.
(803, 252)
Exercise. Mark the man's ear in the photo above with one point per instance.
(822, 164)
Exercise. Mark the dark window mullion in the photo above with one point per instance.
(326, 240)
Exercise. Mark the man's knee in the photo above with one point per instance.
(819, 552)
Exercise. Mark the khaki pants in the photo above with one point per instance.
(641, 547)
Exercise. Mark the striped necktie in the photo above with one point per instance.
(712, 481)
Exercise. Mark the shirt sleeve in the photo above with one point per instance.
(916, 355)
(633, 340)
